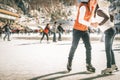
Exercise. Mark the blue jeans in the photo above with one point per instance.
(77, 34)
(109, 37)
(54, 36)
(7, 34)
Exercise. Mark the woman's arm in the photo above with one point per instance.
(102, 14)
(81, 16)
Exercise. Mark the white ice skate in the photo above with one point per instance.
(107, 71)
(114, 68)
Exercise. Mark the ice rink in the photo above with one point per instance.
(22, 59)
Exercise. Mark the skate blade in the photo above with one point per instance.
(104, 73)
(115, 70)
(89, 72)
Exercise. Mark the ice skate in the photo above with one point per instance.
(114, 68)
(69, 67)
(90, 68)
(107, 71)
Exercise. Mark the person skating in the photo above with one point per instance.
(60, 30)
(45, 32)
(107, 26)
(54, 31)
(7, 31)
(0, 32)
(114, 10)
(80, 30)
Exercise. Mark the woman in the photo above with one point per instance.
(80, 30)
(107, 26)
(45, 32)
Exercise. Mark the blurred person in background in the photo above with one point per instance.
(114, 10)
(0, 32)
(54, 31)
(60, 31)
(7, 30)
(45, 32)
(1, 29)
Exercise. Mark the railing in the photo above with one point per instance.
(9, 13)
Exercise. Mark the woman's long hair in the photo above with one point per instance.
(96, 10)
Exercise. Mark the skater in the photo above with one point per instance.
(0, 32)
(7, 30)
(54, 30)
(45, 32)
(60, 30)
(80, 30)
(107, 26)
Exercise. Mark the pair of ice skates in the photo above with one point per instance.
(90, 68)
(109, 70)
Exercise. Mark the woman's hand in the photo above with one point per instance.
(94, 24)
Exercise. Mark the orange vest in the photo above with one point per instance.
(87, 16)
(46, 30)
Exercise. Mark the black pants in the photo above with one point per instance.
(59, 37)
(1, 35)
(44, 35)
(109, 37)
(76, 37)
